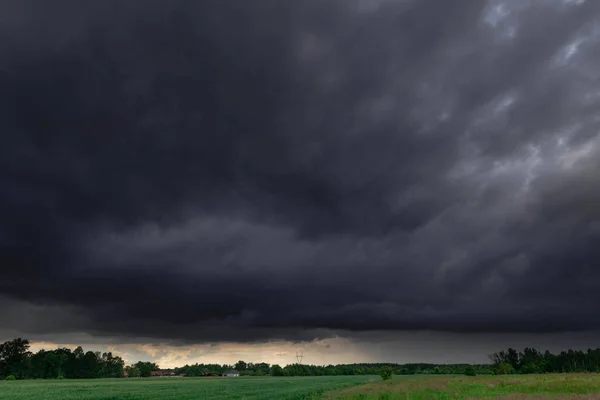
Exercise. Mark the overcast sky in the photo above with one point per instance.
(252, 177)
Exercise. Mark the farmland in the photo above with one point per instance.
(551, 386)
(252, 388)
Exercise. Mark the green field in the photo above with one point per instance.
(571, 386)
(266, 388)
(551, 386)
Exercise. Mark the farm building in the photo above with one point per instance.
(231, 373)
(163, 372)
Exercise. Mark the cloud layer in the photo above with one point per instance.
(243, 171)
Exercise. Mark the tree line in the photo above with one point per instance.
(532, 361)
(264, 369)
(17, 361)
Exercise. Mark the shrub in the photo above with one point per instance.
(504, 369)
(10, 378)
(470, 371)
(530, 368)
(386, 373)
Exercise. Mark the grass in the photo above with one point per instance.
(250, 388)
(513, 387)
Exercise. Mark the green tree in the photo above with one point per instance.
(112, 366)
(276, 370)
(530, 368)
(91, 365)
(241, 366)
(512, 357)
(504, 369)
(146, 368)
(386, 372)
(78, 362)
(52, 365)
(132, 371)
(261, 369)
(14, 357)
(470, 371)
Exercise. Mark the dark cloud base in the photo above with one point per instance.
(211, 170)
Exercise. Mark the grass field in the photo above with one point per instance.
(571, 386)
(179, 388)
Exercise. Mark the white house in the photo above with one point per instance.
(231, 373)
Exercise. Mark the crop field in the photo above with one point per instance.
(512, 387)
(568, 386)
(251, 388)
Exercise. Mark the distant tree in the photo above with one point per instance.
(146, 368)
(530, 356)
(241, 366)
(498, 357)
(14, 357)
(78, 362)
(530, 368)
(504, 369)
(52, 365)
(10, 378)
(276, 370)
(132, 371)
(386, 372)
(470, 371)
(261, 369)
(112, 366)
(91, 365)
(512, 357)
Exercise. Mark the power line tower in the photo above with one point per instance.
(299, 356)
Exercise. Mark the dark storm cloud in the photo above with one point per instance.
(210, 170)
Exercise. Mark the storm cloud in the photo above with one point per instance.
(245, 171)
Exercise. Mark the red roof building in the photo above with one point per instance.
(163, 372)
